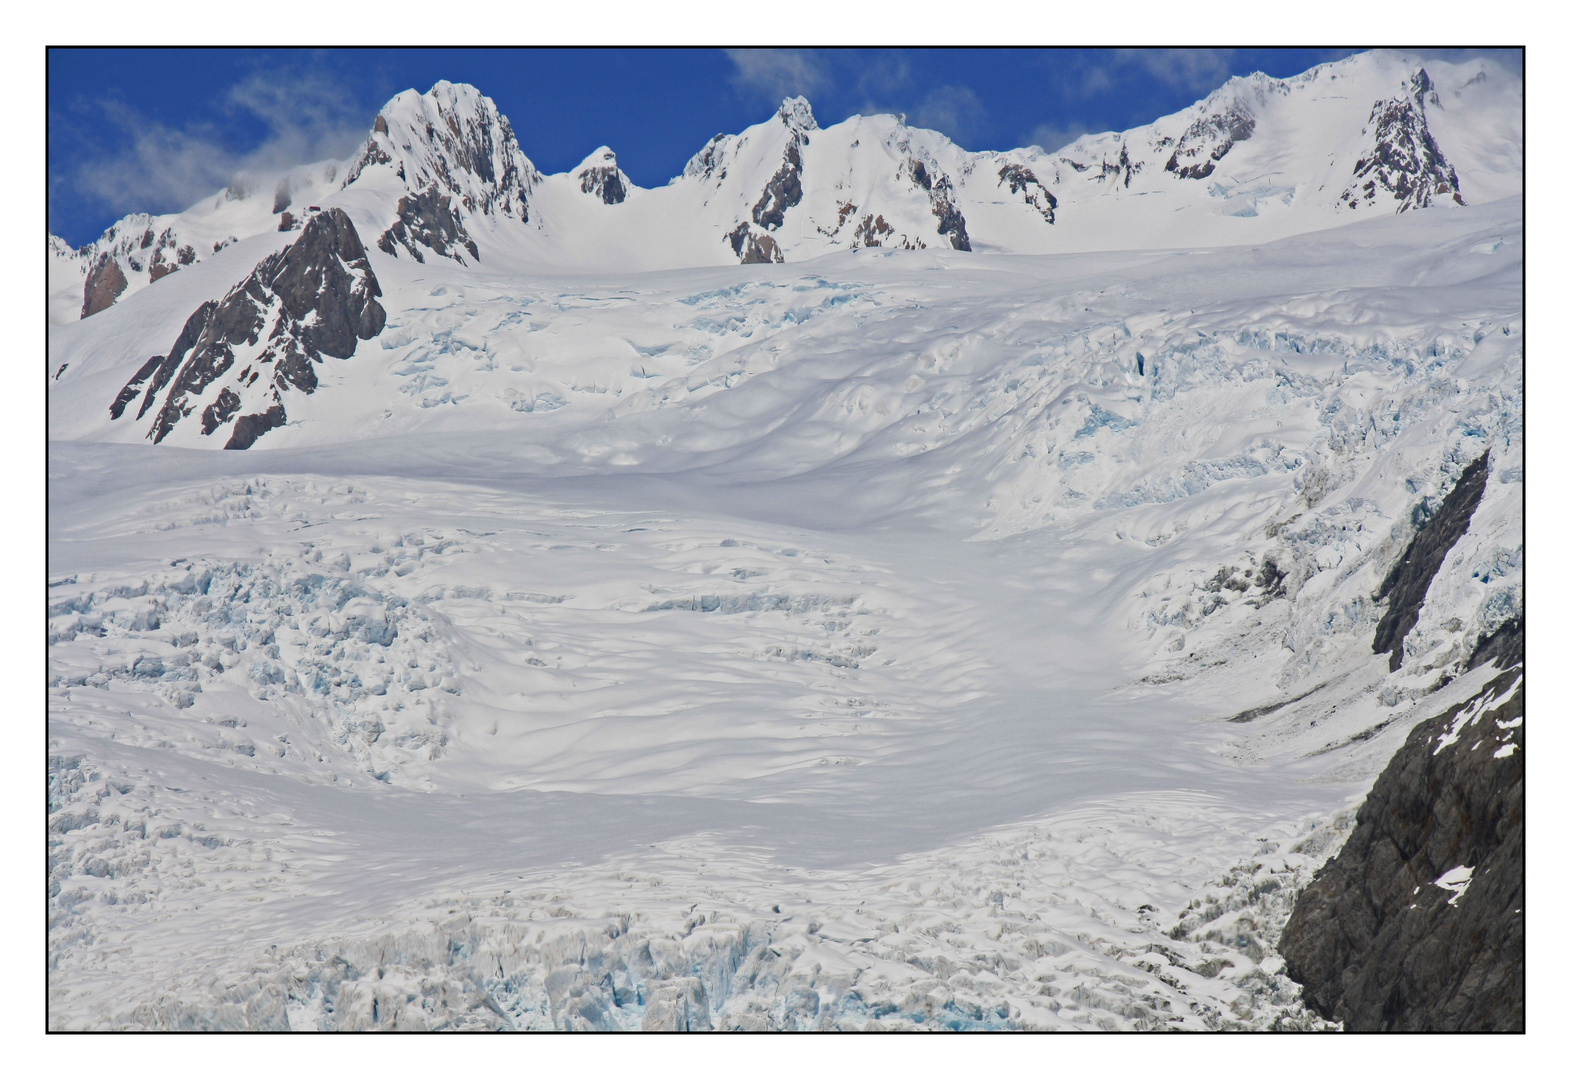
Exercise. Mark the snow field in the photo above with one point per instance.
(910, 596)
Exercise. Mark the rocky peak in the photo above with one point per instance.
(1401, 159)
(708, 163)
(315, 298)
(454, 140)
(598, 175)
(797, 114)
(1422, 88)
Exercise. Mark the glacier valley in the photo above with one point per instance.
(867, 639)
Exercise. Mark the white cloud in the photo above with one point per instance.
(303, 115)
(957, 111)
(775, 74)
(1055, 135)
(880, 75)
(1194, 71)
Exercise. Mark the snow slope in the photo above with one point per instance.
(907, 639)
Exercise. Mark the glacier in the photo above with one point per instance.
(876, 639)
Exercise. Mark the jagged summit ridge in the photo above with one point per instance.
(453, 139)
(441, 174)
(1403, 160)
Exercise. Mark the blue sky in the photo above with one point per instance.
(156, 129)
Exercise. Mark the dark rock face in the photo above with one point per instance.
(1418, 925)
(941, 197)
(252, 427)
(951, 222)
(1207, 142)
(606, 184)
(163, 266)
(1023, 182)
(105, 282)
(1122, 169)
(161, 368)
(1403, 158)
(754, 247)
(220, 411)
(135, 247)
(871, 232)
(784, 189)
(1408, 581)
(319, 296)
(604, 181)
(1507, 646)
(428, 218)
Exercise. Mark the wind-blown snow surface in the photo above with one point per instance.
(842, 644)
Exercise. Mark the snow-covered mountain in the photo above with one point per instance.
(441, 176)
(859, 584)
(1257, 159)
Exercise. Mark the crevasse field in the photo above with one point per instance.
(890, 640)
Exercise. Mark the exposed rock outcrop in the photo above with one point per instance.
(1418, 924)
(1506, 646)
(1407, 583)
(871, 232)
(784, 189)
(1120, 170)
(163, 266)
(750, 238)
(951, 222)
(105, 282)
(318, 294)
(941, 193)
(1208, 140)
(752, 246)
(600, 176)
(428, 218)
(1023, 182)
(131, 247)
(1403, 159)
